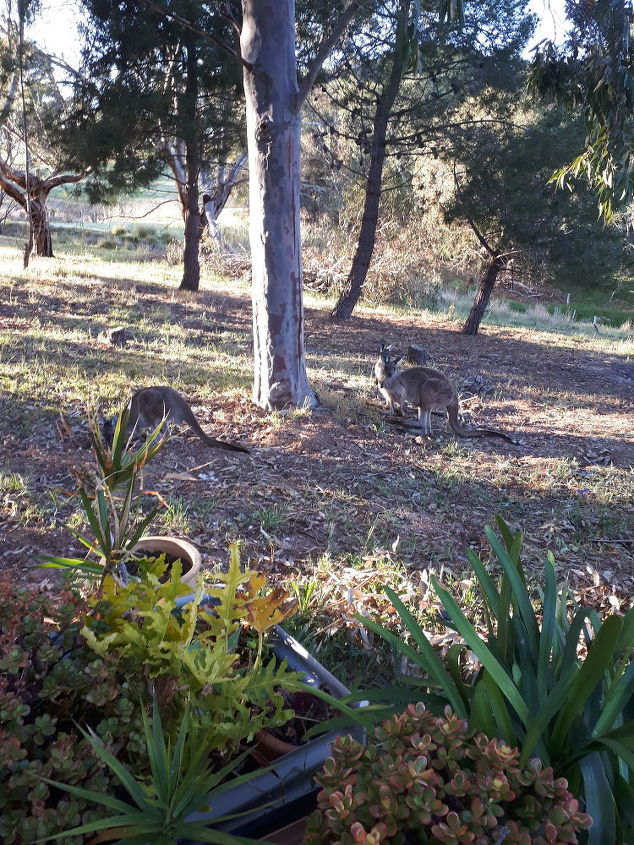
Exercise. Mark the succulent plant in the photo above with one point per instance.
(426, 778)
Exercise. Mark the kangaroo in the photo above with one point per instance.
(150, 405)
(426, 389)
(380, 374)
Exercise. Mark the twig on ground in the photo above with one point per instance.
(626, 541)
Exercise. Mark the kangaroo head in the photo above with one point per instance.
(391, 366)
(385, 366)
(108, 427)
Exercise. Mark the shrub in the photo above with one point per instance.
(68, 663)
(112, 509)
(557, 681)
(181, 780)
(426, 779)
(194, 652)
(50, 681)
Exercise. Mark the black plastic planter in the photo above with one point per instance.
(287, 791)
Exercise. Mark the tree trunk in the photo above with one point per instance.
(213, 204)
(367, 234)
(481, 301)
(270, 83)
(16, 184)
(174, 155)
(40, 240)
(191, 263)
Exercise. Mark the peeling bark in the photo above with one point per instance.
(270, 83)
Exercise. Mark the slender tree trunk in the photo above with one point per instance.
(174, 155)
(191, 263)
(367, 234)
(481, 301)
(270, 82)
(213, 204)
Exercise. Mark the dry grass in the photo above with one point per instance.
(336, 503)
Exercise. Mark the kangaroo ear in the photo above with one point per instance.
(397, 359)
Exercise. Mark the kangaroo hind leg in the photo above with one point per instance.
(424, 419)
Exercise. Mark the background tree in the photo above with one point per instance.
(592, 74)
(29, 97)
(402, 90)
(160, 66)
(522, 225)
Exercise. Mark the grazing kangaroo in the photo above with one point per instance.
(150, 405)
(425, 389)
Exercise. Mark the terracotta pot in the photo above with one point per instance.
(270, 747)
(177, 548)
(292, 834)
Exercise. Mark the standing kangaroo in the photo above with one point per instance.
(425, 389)
(380, 372)
(150, 405)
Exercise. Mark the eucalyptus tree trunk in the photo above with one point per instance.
(31, 193)
(40, 239)
(191, 262)
(367, 233)
(267, 44)
(213, 204)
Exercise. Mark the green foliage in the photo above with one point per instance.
(49, 681)
(557, 684)
(593, 74)
(131, 64)
(427, 779)
(110, 510)
(72, 662)
(194, 653)
(501, 176)
(181, 782)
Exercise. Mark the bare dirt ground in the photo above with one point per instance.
(338, 493)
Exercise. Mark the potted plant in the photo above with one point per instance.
(112, 508)
(275, 804)
(145, 640)
(244, 698)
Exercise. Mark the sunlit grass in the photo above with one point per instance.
(371, 530)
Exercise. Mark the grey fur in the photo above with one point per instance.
(150, 405)
(425, 389)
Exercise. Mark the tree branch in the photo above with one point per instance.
(494, 253)
(61, 179)
(18, 179)
(10, 98)
(187, 24)
(12, 189)
(324, 51)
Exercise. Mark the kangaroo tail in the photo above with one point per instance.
(192, 422)
(452, 413)
(228, 447)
